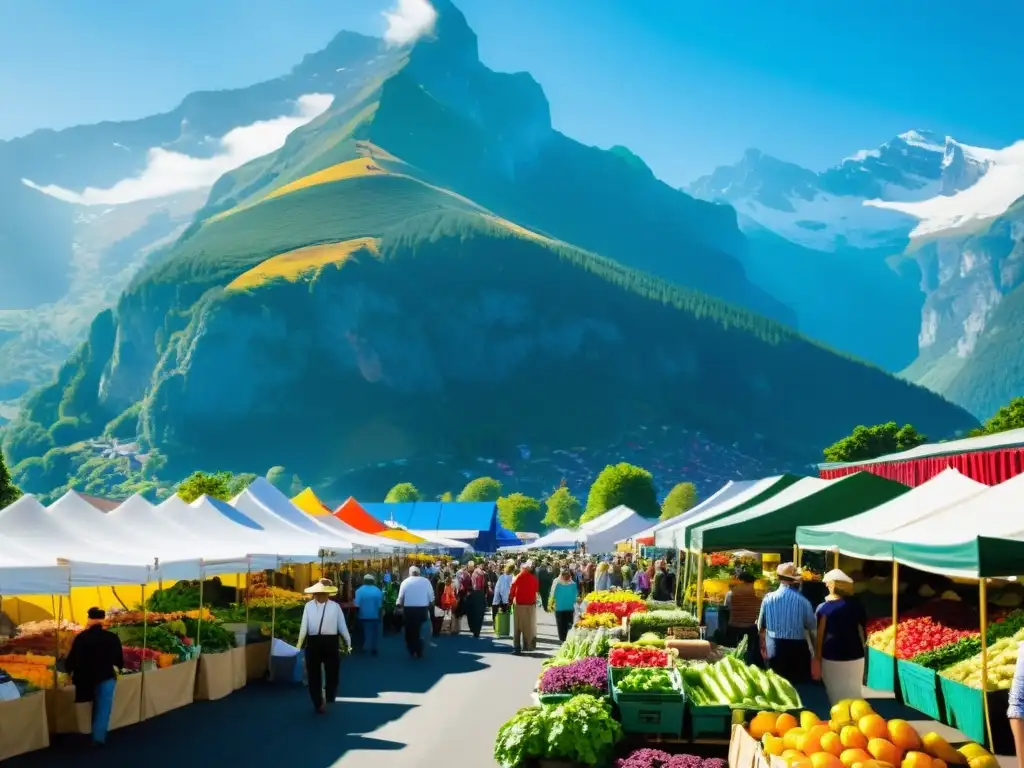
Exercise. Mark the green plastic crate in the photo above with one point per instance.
(919, 688)
(963, 709)
(663, 717)
(617, 673)
(881, 671)
(714, 721)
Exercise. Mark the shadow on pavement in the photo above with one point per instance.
(262, 724)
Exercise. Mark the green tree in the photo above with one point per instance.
(403, 493)
(9, 492)
(481, 489)
(680, 499)
(563, 509)
(871, 442)
(279, 478)
(1010, 416)
(623, 484)
(219, 485)
(446, 496)
(519, 512)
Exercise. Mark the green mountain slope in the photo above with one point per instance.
(416, 272)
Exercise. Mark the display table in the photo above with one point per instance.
(23, 725)
(257, 660)
(239, 672)
(65, 716)
(216, 676)
(169, 688)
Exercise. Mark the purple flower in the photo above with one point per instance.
(656, 758)
(587, 675)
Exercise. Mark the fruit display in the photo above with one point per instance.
(730, 682)
(586, 675)
(1001, 664)
(934, 624)
(580, 642)
(857, 736)
(42, 637)
(632, 655)
(598, 620)
(34, 669)
(965, 648)
(622, 603)
(649, 680)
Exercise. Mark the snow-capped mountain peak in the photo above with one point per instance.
(872, 198)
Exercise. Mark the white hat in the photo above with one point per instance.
(788, 572)
(528, 564)
(836, 575)
(322, 586)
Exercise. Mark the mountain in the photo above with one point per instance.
(428, 268)
(85, 206)
(924, 224)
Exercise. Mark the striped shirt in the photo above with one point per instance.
(1016, 709)
(785, 615)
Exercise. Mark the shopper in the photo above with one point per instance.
(784, 623)
(642, 582)
(664, 585)
(476, 601)
(322, 622)
(546, 578)
(842, 630)
(602, 578)
(500, 601)
(415, 597)
(744, 606)
(523, 596)
(1016, 709)
(565, 596)
(369, 601)
(615, 576)
(94, 661)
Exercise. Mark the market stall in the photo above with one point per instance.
(728, 491)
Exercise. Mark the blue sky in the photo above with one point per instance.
(687, 84)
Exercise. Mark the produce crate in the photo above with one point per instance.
(919, 688)
(714, 721)
(963, 709)
(657, 713)
(881, 675)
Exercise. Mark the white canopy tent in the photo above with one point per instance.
(24, 573)
(560, 538)
(44, 536)
(674, 536)
(726, 492)
(614, 525)
(866, 535)
(272, 510)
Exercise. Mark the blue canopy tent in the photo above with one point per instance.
(473, 522)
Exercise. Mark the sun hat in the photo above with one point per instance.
(324, 586)
(836, 575)
(788, 572)
(370, 578)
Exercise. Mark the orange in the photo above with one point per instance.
(772, 745)
(763, 722)
(825, 760)
(916, 759)
(791, 754)
(830, 743)
(801, 761)
(836, 726)
(807, 719)
(859, 708)
(851, 756)
(936, 763)
(886, 751)
(903, 735)
(784, 723)
(852, 738)
(793, 735)
(873, 726)
(810, 742)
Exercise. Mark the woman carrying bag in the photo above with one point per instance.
(500, 603)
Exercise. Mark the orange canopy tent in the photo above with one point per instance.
(352, 512)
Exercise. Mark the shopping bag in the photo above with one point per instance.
(502, 623)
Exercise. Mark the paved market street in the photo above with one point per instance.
(392, 711)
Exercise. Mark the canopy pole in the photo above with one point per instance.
(56, 614)
(700, 587)
(983, 610)
(142, 660)
(835, 559)
(895, 610)
(199, 625)
(796, 556)
(686, 576)
(680, 568)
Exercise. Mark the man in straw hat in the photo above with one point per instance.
(784, 622)
(322, 622)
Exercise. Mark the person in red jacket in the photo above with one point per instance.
(523, 596)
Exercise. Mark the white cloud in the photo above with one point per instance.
(408, 21)
(168, 172)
